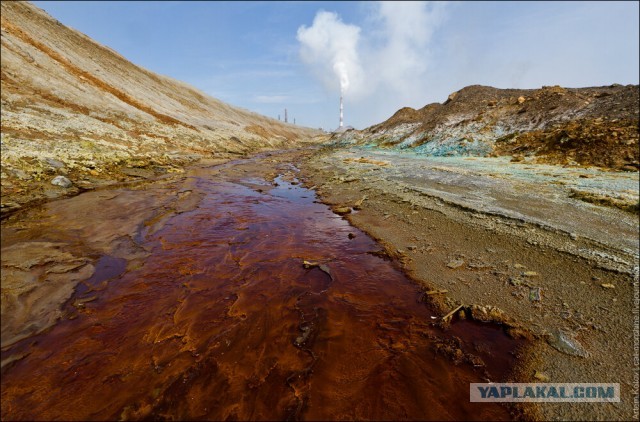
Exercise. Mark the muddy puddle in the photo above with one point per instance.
(215, 317)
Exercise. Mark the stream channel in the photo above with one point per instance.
(199, 307)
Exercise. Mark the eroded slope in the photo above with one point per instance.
(73, 107)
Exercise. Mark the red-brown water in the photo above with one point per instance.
(222, 321)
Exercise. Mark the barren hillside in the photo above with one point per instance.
(576, 126)
(74, 108)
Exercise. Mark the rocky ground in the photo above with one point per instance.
(507, 242)
(595, 126)
(76, 109)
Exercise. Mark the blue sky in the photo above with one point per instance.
(265, 56)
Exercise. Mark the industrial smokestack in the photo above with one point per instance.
(341, 123)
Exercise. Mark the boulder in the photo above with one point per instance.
(62, 182)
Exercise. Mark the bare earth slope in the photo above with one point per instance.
(576, 126)
(73, 107)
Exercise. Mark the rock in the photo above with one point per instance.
(80, 303)
(541, 376)
(530, 274)
(138, 172)
(534, 294)
(456, 263)
(61, 181)
(436, 292)
(9, 206)
(487, 314)
(20, 174)
(412, 247)
(565, 342)
(351, 235)
(451, 97)
(517, 158)
(514, 281)
(308, 264)
(358, 204)
(54, 163)
(521, 100)
(608, 286)
(299, 341)
(342, 210)
(479, 265)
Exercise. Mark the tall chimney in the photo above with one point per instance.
(341, 111)
(285, 116)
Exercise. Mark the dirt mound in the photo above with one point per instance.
(72, 107)
(610, 143)
(576, 126)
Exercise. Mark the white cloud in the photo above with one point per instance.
(407, 29)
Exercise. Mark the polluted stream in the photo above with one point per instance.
(215, 316)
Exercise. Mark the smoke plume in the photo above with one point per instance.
(330, 48)
(385, 63)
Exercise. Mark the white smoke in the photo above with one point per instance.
(388, 66)
(330, 48)
(341, 69)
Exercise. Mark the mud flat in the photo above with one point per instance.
(226, 292)
(512, 243)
